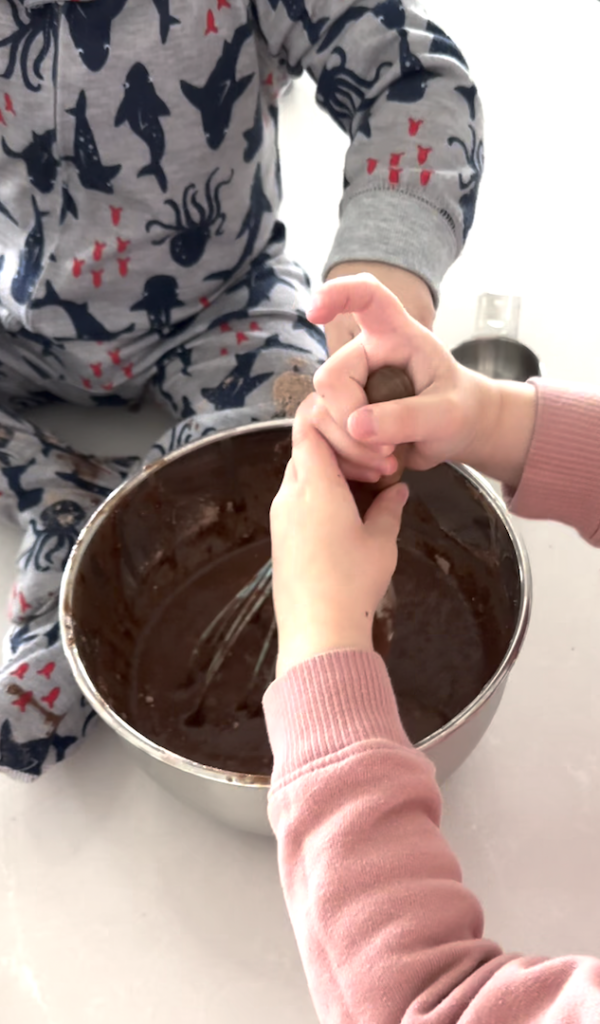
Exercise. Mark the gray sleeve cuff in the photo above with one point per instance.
(399, 229)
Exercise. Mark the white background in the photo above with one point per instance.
(116, 902)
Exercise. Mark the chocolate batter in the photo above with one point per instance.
(185, 540)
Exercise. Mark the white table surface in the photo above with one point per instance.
(118, 903)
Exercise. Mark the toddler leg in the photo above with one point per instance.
(50, 491)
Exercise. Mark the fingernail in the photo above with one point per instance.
(362, 424)
(389, 466)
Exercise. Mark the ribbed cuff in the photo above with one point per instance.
(392, 227)
(561, 478)
(327, 704)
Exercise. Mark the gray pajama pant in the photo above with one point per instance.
(214, 373)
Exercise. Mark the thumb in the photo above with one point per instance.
(383, 518)
(403, 420)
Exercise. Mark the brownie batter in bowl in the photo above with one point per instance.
(165, 554)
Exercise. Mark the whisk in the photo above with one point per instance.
(218, 639)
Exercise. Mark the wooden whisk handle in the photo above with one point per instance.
(388, 384)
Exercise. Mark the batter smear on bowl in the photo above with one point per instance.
(178, 547)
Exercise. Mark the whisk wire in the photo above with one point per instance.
(223, 632)
(228, 614)
(263, 653)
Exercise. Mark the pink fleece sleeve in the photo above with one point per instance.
(561, 478)
(386, 930)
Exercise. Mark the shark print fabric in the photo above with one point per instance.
(210, 371)
(141, 252)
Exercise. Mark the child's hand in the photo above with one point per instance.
(412, 291)
(453, 415)
(330, 570)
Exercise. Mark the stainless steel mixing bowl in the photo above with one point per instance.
(241, 800)
(500, 358)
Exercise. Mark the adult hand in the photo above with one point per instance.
(330, 569)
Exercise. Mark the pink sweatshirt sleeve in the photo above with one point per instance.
(561, 478)
(386, 930)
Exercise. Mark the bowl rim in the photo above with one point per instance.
(123, 729)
